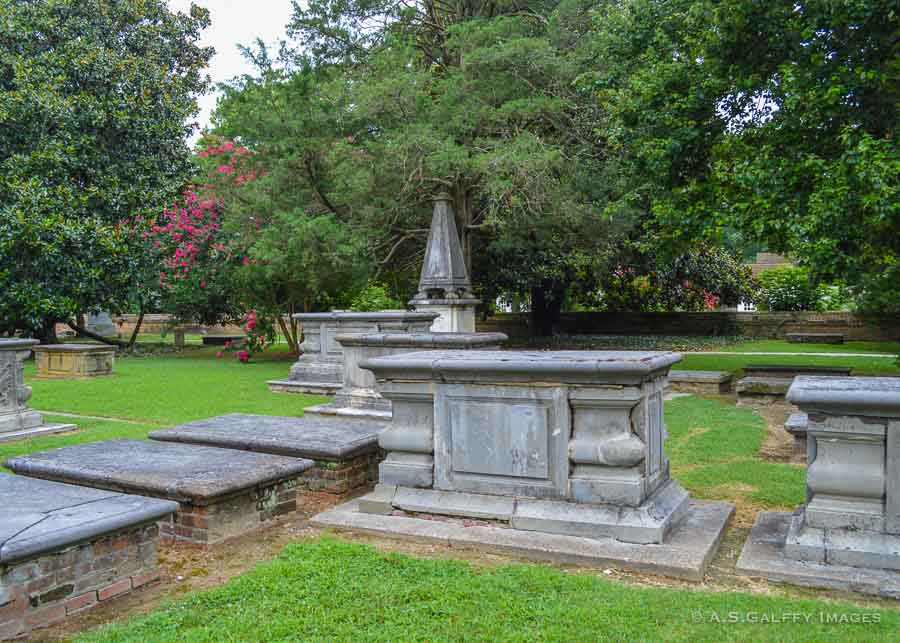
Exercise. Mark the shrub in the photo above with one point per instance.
(789, 288)
(374, 297)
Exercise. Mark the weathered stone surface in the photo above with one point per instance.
(764, 556)
(320, 366)
(40, 516)
(686, 553)
(359, 396)
(850, 517)
(701, 382)
(17, 421)
(101, 324)
(577, 439)
(451, 503)
(797, 423)
(62, 361)
(770, 383)
(649, 523)
(181, 472)
(815, 338)
(380, 501)
(444, 285)
(315, 438)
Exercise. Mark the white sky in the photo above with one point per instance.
(236, 22)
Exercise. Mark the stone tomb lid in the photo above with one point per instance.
(868, 396)
(788, 370)
(182, 472)
(422, 340)
(39, 516)
(594, 367)
(75, 348)
(13, 344)
(323, 438)
(376, 316)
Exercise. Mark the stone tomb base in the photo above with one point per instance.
(686, 553)
(345, 453)
(64, 361)
(65, 549)
(700, 382)
(764, 556)
(221, 493)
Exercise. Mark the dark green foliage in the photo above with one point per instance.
(94, 100)
(787, 288)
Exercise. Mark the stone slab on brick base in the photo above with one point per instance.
(221, 492)
(686, 553)
(700, 382)
(65, 549)
(346, 453)
(763, 556)
(310, 388)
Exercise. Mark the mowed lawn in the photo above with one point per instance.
(326, 588)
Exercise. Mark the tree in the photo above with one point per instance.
(775, 119)
(94, 108)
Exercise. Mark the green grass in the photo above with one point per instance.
(784, 346)
(712, 448)
(174, 388)
(734, 363)
(329, 589)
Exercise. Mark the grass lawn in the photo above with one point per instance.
(324, 588)
(734, 363)
(329, 589)
(784, 346)
(173, 388)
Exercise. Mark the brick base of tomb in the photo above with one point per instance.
(206, 525)
(341, 477)
(43, 591)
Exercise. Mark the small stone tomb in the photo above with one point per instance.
(359, 397)
(221, 492)
(700, 382)
(765, 384)
(66, 361)
(17, 421)
(796, 425)
(815, 338)
(564, 452)
(847, 535)
(65, 549)
(320, 367)
(346, 453)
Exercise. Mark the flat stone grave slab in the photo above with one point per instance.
(65, 549)
(221, 493)
(346, 453)
(702, 382)
(686, 553)
(770, 383)
(763, 556)
(64, 361)
(815, 338)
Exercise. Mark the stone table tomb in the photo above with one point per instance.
(848, 533)
(17, 421)
(65, 549)
(220, 493)
(65, 361)
(320, 367)
(346, 453)
(566, 446)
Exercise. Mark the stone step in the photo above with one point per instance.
(708, 382)
(221, 493)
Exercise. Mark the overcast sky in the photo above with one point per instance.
(236, 22)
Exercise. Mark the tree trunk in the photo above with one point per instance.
(137, 329)
(546, 304)
(47, 333)
(84, 332)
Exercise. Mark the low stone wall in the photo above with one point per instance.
(42, 591)
(760, 325)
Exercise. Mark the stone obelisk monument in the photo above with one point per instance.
(444, 285)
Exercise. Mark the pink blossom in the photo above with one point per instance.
(226, 169)
(243, 356)
(220, 354)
